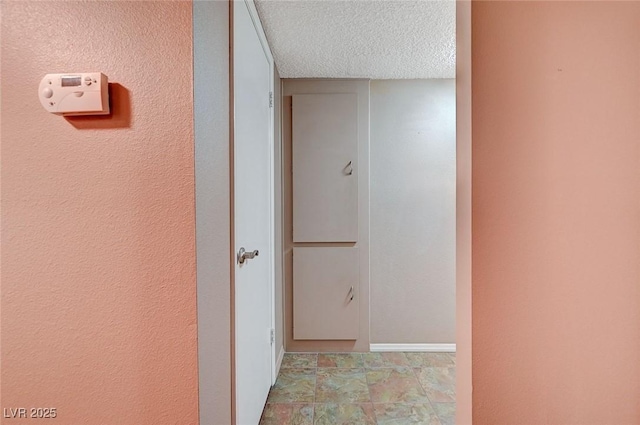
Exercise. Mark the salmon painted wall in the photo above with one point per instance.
(98, 250)
(556, 213)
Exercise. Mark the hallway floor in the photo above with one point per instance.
(363, 388)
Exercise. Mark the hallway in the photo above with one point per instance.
(363, 388)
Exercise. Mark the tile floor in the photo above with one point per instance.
(363, 389)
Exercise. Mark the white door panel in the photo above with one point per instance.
(253, 182)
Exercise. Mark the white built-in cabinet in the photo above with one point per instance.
(328, 239)
(326, 214)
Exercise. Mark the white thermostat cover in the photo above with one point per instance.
(81, 93)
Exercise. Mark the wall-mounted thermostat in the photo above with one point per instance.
(83, 93)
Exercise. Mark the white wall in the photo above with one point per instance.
(413, 215)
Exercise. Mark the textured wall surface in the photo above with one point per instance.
(556, 213)
(361, 39)
(98, 292)
(413, 211)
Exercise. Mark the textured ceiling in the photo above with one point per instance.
(381, 39)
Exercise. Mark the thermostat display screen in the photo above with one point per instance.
(71, 81)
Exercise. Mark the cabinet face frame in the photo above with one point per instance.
(292, 87)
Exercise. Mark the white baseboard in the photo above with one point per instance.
(427, 348)
(279, 362)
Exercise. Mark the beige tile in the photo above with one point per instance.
(302, 414)
(341, 386)
(276, 414)
(342, 360)
(299, 360)
(287, 414)
(344, 414)
(429, 359)
(405, 414)
(438, 382)
(335, 389)
(446, 412)
(374, 360)
(453, 357)
(395, 385)
(294, 386)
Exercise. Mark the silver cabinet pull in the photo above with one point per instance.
(246, 255)
(351, 293)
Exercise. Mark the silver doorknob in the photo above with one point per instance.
(246, 255)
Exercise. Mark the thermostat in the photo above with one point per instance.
(83, 93)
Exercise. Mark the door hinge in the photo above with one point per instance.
(273, 336)
(270, 99)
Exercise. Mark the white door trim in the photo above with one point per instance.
(253, 13)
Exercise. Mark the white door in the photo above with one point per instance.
(253, 188)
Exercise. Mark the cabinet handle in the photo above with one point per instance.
(349, 168)
(351, 293)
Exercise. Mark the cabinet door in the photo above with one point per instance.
(325, 167)
(325, 293)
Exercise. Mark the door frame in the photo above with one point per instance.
(213, 37)
(253, 13)
(464, 384)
